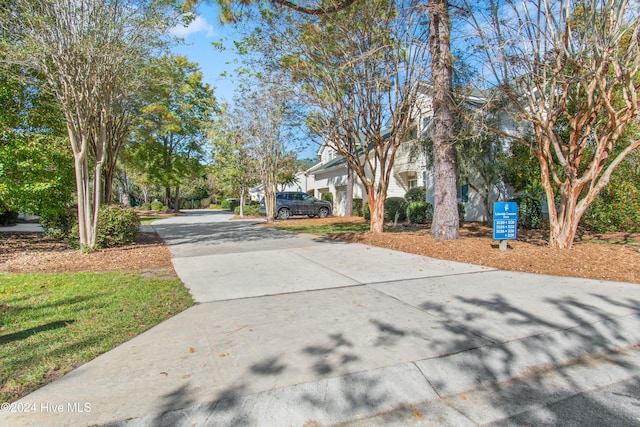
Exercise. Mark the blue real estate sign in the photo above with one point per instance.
(505, 220)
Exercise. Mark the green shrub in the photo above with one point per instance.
(617, 208)
(254, 209)
(416, 194)
(157, 206)
(327, 197)
(230, 204)
(59, 224)
(419, 212)
(366, 213)
(461, 212)
(204, 203)
(357, 207)
(117, 226)
(250, 210)
(529, 212)
(146, 206)
(393, 206)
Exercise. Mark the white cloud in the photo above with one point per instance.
(199, 24)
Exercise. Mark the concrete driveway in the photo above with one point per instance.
(219, 259)
(295, 330)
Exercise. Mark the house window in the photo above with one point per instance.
(463, 193)
(413, 183)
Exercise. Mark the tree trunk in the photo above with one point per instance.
(241, 200)
(375, 200)
(176, 200)
(270, 204)
(487, 207)
(126, 189)
(84, 205)
(348, 207)
(376, 211)
(167, 196)
(87, 218)
(563, 225)
(445, 224)
(108, 185)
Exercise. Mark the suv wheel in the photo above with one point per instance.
(323, 212)
(284, 213)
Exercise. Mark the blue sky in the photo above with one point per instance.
(198, 36)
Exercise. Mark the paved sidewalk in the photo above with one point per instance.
(294, 330)
(22, 227)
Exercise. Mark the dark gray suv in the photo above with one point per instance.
(297, 203)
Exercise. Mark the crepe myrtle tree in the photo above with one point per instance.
(263, 105)
(357, 72)
(230, 159)
(85, 50)
(567, 73)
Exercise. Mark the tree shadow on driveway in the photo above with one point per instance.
(532, 379)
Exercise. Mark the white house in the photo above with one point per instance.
(299, 184)
(410, 169)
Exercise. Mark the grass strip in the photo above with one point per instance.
(146, 220)
(53, 323)
(322, 229)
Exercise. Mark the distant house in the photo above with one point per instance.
(300, 184)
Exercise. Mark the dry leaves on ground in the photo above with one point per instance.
(36, 253)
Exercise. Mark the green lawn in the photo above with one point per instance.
(322, 229)
(327, 228)
(52, 323)
(146, 220)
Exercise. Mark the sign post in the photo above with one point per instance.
(505, 222)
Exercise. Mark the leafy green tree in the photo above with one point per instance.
(617, 207)
(522, 171)
(288, 170)
(263, 131)
(193, 191)
(170, 133)
(86, 51)
(36, 173)
(232, 163)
